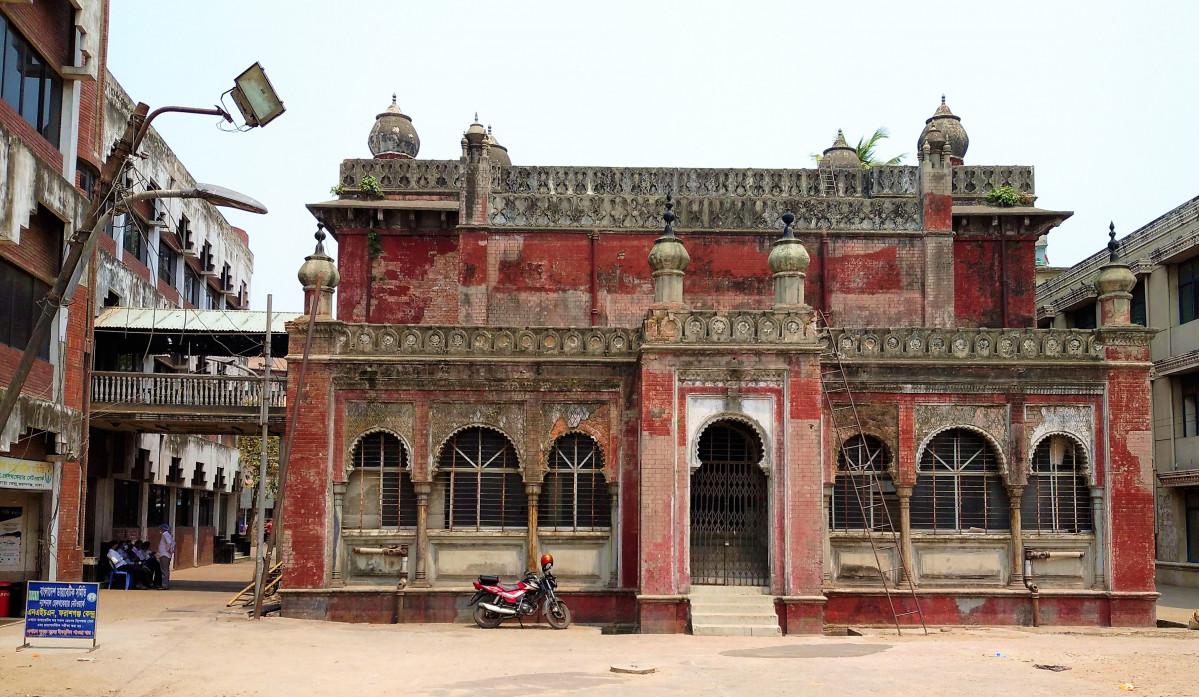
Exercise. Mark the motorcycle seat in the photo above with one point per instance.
(509, 586)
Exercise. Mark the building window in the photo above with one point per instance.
(1188, 289)
(29, 85)
(1189, 388)
(574, 495)
(206, 508)
(212, 298)
(158, 506)
(379, 493)
(88, 176)
(134, 240)
(184, 503)
(126, 504)
(958, 486)
(191, 286)
(1139, 310)
(864, 496)
(1057, 498)
(480, 474)
(167, 259)
(21, 296)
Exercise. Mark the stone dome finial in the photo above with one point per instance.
(951, 127)
(497, 152)
(475, 133)
(788, 254)
(1114, 276)
(840, 155)
(668, 260)
(393, 135)
(318, 267)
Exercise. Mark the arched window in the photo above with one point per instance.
(958, 485)
(858, 502)
(480, 473)
(1057, 498)
(574, 495)
(379, 492)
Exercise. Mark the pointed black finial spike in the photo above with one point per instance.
(788, 218)
(1113, 247)
(320, 238)
(476, 117)
(669, 217)
(393, 98)
(942, 99)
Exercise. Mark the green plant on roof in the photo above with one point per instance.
(1004, 196)
(369, 185)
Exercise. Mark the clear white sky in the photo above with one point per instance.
(1099, 96)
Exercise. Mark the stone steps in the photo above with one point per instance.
(732, 611)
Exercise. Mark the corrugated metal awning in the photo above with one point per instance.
(175, 320)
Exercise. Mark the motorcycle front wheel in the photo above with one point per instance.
(486, 619)
(557, 614)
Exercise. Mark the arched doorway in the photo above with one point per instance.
(729, 526)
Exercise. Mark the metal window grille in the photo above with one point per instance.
(574, 495)
(860, 462)
(480, 474)
(1057, 498)
(379, 493)
(958, 486)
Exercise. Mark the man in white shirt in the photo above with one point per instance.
(166, 550)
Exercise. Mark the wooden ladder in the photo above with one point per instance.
(828, 182)
(875, 515)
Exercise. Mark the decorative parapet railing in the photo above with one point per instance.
(425, 176)
(921, 343)
(179, 390)
(977, 181)
(719, 183)
(736, 328)
(442, 341)
(702, 212)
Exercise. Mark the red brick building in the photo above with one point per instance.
(523, 362)
(51, 82)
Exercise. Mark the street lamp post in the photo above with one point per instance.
(257, 111)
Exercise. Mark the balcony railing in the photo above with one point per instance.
(175, 390)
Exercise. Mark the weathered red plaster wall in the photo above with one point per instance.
(305, 502)
(979, 282)
(1131, 478)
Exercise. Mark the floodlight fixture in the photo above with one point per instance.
(255, 98)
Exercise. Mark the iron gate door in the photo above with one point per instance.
(728, 510)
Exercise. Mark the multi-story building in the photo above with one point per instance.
(164, 254)
(528, 359)
(1164, 255)
(51, 86)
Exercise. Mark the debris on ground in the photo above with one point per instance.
(634, 669)
(1045, 666)
(1127, 686)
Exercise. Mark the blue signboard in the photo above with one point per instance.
(61, 611)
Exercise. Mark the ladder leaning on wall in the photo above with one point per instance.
(867, 487)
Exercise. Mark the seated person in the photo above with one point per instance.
(150, 562)
(120, 562)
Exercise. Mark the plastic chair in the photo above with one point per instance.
(128, 578)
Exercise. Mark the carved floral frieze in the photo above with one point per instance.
(919, 343)
(368, 416)
(434, 340)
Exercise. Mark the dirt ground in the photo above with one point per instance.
(183, 642)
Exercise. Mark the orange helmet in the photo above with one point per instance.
(547, 560)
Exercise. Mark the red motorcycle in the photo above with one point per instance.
(495, 602)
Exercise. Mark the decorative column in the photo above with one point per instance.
(668, 260)
(905, 532)
(533, 491)
(614, 498)
(339, 496)
(826, 502)
(1100, 555)
(1015, 492)
(788, 261)
(421, 578)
